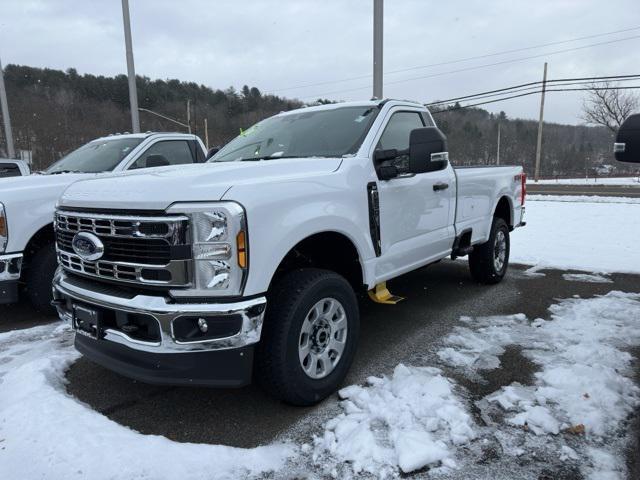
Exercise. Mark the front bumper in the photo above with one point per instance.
(10, 268)
(224, 361)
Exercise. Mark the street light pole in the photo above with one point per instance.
(131, 72)
(377, 47)
(5, 116)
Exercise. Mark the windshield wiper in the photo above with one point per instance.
(64, 171)
(277, 157)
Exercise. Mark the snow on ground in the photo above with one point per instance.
(584, 387)
(586, 277)
(573, 413)
(46, 433)
(410, 420)
(635, 180)
(581, 199)
(587, 236)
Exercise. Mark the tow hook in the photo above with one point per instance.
(381, 294)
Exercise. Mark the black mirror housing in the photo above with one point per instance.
(382, 155)
(387, 172)
(627, 146)
(423, 143)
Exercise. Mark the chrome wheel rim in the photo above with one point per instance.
(323, 338)
(500, 251)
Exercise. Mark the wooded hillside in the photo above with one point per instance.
(54, 112)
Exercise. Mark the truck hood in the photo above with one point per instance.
(157, 189)
(37, 188)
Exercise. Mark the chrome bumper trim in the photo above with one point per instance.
(10, 266)
(251, 311)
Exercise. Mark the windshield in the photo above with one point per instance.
(323, 133)
(97, 156)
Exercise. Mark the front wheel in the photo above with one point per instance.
(309, 336)
(488, 262)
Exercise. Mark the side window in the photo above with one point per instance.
(168, 152)
(9, 170)
(396, 133)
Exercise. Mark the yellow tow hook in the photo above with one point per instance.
(381, 294)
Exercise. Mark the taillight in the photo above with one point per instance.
(524, 188)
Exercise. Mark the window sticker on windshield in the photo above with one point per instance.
(248, 131)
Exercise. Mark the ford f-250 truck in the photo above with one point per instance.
(194, 276)
(27, 251)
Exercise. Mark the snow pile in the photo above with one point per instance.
(46, 433)
(580, 198)
(585, 277)
(411, 420)
(585, 381)
(595, 237)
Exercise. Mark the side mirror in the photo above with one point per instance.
(382, 155)
(424, 143)
(627, 146)
(212, 151)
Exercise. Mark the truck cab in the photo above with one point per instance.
(184, 276)
(27, 203)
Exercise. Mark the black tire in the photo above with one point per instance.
(278, 366)
(42, 267)
(481, 260)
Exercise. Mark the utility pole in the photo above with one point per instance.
(131, 72)
(377, 47)
(206, 134)
(498, 152)
(539, 144)
(5, 116)
(189, 113)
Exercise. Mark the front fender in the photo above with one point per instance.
(281, 216)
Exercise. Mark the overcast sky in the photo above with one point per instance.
(278, 44)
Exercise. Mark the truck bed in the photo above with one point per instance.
(479, 189)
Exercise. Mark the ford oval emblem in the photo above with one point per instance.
(87, 246)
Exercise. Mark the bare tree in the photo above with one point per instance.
(606, 106)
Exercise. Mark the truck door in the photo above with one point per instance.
(416, 224)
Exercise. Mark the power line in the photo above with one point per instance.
(477, 67)
(466, 59)
(633, 87)
(532, 85)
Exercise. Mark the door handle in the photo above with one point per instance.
(440, 186)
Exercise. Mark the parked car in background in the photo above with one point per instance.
(27, 244)
(183, 276)
(13, 168)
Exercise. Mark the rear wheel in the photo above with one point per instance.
(39, 278)
(309, 336)
(489, 262)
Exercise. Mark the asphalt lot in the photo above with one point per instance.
(408, 333)
(597, 190)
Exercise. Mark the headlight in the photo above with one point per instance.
(218, 234)
(4, 229)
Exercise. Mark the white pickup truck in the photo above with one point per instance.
(191, 276)
(27, 204)
(13, 168)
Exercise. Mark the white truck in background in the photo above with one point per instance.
(13, 168)
(193, 276)
(27, 203)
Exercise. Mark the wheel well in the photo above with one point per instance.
(503, 211)
(328, 250)
(42, 237)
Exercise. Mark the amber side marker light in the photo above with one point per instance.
(241, 243)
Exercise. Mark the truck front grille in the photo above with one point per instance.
(147, 250)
